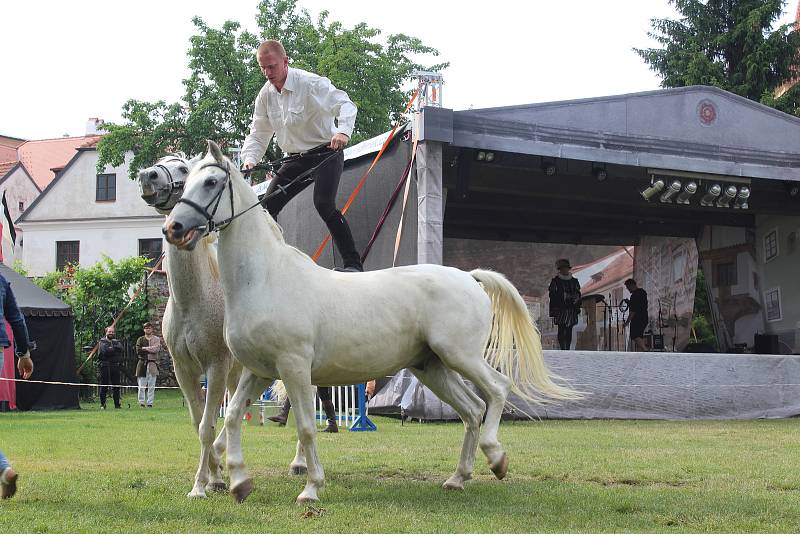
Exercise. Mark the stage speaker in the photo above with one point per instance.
(658, 342)
(765, 344)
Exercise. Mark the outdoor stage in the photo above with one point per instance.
(639, 385)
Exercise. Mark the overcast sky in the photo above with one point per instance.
(67, 61)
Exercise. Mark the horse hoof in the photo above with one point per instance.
(217, 486)
(304, 498)
(453, 485)
(295, 470)
(241, 491)
(500, 469)
(194, 494)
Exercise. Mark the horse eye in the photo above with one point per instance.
(184, 170)
(211, 182)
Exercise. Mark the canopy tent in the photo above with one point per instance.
(50, 324)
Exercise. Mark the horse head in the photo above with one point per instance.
(162, 184)
(204, 205)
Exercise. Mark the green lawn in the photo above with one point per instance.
(129, 471)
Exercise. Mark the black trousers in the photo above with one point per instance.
(109, 376)
(564, 337)
(326, 184)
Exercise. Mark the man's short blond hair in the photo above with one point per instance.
(273, 46)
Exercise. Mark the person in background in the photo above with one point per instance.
(11, 313)
(565, 302)
(637, 314)
(148, 348)
(109, 360)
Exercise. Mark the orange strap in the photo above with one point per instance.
(355, 192)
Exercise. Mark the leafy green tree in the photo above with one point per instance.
(225, 80)
(729, 44)
(97, 294)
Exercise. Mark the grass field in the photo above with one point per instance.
(129, 471)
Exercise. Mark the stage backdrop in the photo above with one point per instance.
(666, 267)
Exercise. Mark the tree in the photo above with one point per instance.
(729, 44)
(225, 80)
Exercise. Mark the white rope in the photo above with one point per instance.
(76, 383)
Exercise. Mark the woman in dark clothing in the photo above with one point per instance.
(565, 298)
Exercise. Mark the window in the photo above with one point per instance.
(150, 248)
(770, 245)
(772, 305)
(67, 253)
(726, 275)
(21, 206)
(106, 187)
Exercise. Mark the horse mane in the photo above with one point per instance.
(213, 264)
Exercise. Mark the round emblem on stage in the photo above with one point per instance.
(706, 112)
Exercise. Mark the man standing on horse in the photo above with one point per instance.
(303, 110)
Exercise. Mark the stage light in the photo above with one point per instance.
(673, 189)
(481, 155)
(548, 166)
(724, 200)
(688, 190)
(489, 157)
(653, 190)
(741, 198)
(711, 195)
(793, 188)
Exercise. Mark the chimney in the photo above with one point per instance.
(94, 126)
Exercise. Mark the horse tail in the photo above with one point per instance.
(278, 392)
(515, 345)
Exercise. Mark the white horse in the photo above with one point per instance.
(193, 323)
(289, 318)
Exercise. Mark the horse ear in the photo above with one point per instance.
(215, 151)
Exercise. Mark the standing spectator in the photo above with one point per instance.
(109, 359)
(10, 312)
(148, 348)
(637, 314)
(565, 302)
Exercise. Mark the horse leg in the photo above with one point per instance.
(188, 376)
(232, 381)
(209, 473)
(450, 387)
(301, 395)
(495, 387)
(249, 385)
(298, 465)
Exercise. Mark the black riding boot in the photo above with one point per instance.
(330, 413)
(283, 415)
(343, 238)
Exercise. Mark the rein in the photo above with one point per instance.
(302, 178)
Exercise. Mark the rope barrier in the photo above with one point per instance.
(76, 383)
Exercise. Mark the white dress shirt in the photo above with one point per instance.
(306, 113)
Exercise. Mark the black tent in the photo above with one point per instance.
(50, 324)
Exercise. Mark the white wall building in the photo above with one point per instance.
(84, 215)
(20, 191)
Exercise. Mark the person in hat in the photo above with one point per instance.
(148, 349)
(109, 362)
(565, 302)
